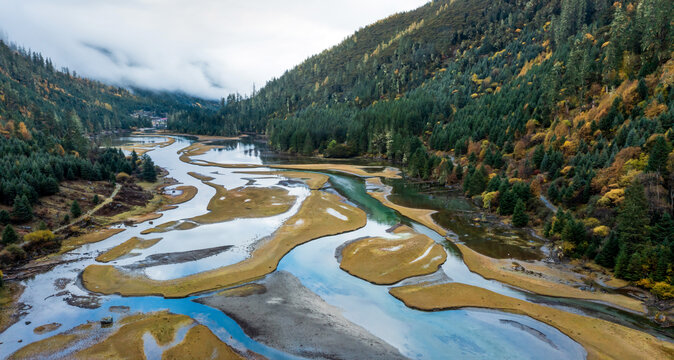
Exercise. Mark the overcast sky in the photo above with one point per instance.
(207, 48)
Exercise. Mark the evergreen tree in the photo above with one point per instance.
(663, 231)
(607, 255)
(22, 210)
(9, 236)
(308, 147)
(622, 261)
(633, 215)
(4, 217)
(149, 172)
(657, 160)
(634, 270)
(507, 202)
(520, 217)
(96, 199)
(75, 209)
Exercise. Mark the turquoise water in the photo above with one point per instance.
(468, 333)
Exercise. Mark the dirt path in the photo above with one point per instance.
(94, 210)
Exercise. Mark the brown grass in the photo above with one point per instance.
(127, 341)
(9, 304)
(500, 270)
(188, 193)
(357, 170)
(72, 243)
(125, 248)
(245, 202)
(601, 339)
(200, 176)
(54, 344)
(314, 181)
(311, 222)
(43, 329)
(200, 343)
(385, 261)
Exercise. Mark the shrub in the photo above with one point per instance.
(16, 252)
(75, 209)
(40, 236)
(663, 290)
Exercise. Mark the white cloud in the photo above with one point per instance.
(207, 48)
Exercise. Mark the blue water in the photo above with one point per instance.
(469, 334)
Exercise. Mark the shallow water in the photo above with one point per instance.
(468, 333)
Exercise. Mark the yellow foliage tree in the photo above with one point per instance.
(23, 132)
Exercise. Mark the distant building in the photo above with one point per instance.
(159, 123)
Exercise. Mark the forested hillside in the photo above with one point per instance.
(571, 100)
(47, 117)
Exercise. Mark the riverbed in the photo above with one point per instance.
(364, 311)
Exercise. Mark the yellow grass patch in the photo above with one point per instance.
(200, 176)
(125, 248)
(43, 329)
(314, 181)
(9, 304)
(127, 341)
(243, 290)
(501, 270)
(601, 339)
(201, 343)
(385, 261)
(312, 221)
(389, 172)
(72, 243)
(54, 344)
(245, 202)
(188, 193)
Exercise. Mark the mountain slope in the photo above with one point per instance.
(571, 100)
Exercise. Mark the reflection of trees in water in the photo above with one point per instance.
(248, 149)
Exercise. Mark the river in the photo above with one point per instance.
(467, 333)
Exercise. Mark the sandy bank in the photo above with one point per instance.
(312, 221)
(289, 317)
(601, 339)
(502, 271)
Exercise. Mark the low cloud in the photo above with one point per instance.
(207, 48)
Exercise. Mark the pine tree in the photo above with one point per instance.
(4, 217)
(507, 202)
(308, 147)
(96, 199)
(22, 210)
(149, 172)
(633, 215)
(75, 209)
(634, 270)
(520, 217)
(663, 231)
(9, 236)
(622, 262)
(657, 160)
(607, 255)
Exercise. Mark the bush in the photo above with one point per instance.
(2, 283)
(16, 252)
(663, 290)
(122, 177)
(40, 236)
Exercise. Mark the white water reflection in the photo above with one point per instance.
(461, 334)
